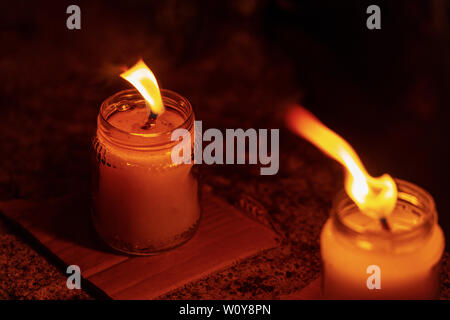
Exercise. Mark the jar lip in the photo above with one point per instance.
(407, 193)
(165, 94)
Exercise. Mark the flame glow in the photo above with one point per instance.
(143, 79)
(375, 197)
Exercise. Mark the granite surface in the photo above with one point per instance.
(238, 73)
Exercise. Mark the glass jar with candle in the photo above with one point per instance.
(357, 252)
(143, 203)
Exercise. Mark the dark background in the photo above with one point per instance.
(239, 62)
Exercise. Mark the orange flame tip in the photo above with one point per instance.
(143, 79)
(375, 197)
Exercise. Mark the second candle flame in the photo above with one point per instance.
(143, 79)
(375, 197)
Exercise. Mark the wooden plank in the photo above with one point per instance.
(224, 237)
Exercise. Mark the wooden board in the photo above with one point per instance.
(63, 226)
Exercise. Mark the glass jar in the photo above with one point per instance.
(363, 260)
(143, 203)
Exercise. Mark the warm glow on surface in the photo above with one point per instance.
(375, 197)
(143, 79)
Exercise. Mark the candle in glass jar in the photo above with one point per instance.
(382, 240)
(407, 255)
(144, 203)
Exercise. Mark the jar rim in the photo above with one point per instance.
(165, 93)
(408, 194)
(171, 100)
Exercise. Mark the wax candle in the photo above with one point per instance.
(143, 202)
(382, 240)
(407, 254)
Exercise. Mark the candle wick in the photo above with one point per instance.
(150, 121)
(385, 224)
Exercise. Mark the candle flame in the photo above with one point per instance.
(375, 197)
(143, 79)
